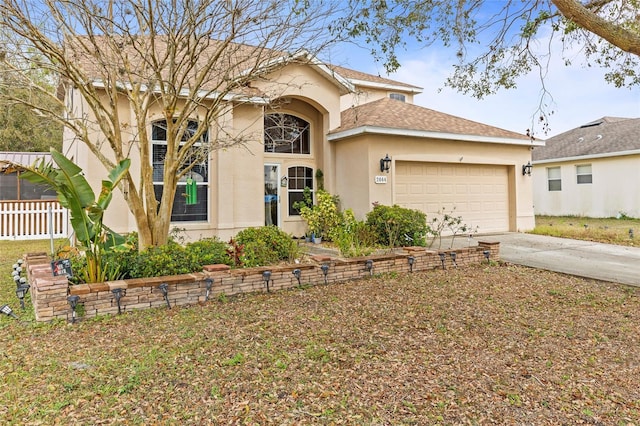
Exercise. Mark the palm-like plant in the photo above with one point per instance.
(87, 212)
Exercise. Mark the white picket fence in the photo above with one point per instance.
(33, 220)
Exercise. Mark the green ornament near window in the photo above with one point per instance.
(192, 192)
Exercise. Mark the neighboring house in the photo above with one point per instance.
(593, 170)
(28, 211)
(342, 123)
(12, 188)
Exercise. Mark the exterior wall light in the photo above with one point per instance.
(325, 271)
(526, 169)
(118, 293)
(21, 292)
(411, 261)
(5, 309)
(208, 282)
(284, 181)
(442, 259)
(368, 266)
(385, 164)
(164, 288)
(266, 277)
(297, 273)
(486, 253)
(73, 301)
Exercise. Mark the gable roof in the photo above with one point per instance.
(360, 78)
(226, 65)
(607, 136)
(389, 116)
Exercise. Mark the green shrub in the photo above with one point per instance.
(266, 245)
(354, 238)
(398, 226)
(170, 259)
(208, 251)
(323, 219)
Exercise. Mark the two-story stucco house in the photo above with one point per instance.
(592, 170)
(358, 135)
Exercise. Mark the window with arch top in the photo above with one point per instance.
(286, 134)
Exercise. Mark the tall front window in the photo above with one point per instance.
(286, 134)
(191, 198)
(299, 178)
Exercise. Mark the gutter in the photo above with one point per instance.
(431, 135)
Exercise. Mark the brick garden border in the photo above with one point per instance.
(49, 294)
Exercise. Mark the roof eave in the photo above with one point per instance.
(430, 135)
(201, 94)
(387, 86)
(587, 157)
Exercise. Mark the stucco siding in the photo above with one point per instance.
(615, 188)
(361, 154)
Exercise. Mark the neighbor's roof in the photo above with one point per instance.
(608, 135)
(390, 116)
(23, 158)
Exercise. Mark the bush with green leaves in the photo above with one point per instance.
(169, 259)
(354, 237)
(396, 226)
(266, 245)
(209, 251)
(324, 219)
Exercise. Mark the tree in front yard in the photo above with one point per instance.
(193, 61)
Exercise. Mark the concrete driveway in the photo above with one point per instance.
(587, 259)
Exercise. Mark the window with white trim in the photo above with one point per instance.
(553, 179)
(299, 178)
(186, 208)
(583, 174)
(286, 134)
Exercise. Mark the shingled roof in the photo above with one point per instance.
(392, 114)
(370, 78)
(608, 135)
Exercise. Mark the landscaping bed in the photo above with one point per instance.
(484, 344)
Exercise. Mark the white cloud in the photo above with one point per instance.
(580, 94)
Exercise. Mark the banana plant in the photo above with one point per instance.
(87, 212)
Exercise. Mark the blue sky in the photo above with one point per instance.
(580, 94)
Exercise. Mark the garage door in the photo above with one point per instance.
(479, 192)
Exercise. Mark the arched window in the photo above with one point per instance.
(299, 178)
(286, 134)
(191, 201)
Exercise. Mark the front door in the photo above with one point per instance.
(271, 194)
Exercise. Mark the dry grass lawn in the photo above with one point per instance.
(489, 344)
(624, 231)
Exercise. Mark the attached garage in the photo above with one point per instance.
(438, 162)
(479, 193)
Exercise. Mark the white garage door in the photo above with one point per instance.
(479, 192)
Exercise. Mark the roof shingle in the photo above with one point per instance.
(393, 114)
(603, 136)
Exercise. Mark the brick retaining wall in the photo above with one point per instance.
(49, 294)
